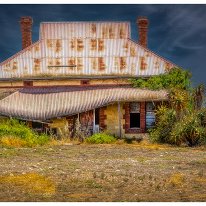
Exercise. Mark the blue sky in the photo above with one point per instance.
(176, 32)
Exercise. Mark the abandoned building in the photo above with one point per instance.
(82, 71)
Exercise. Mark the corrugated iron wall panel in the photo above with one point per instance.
(88, 55)
(69, 30)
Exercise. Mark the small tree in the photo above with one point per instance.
(182, 120)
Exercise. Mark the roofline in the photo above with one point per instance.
(149, 50)
(72, 77)
(19, 52)
(74, 22)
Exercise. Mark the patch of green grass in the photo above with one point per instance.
(100, 138)
(16, 134)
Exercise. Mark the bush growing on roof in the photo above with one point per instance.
(16, 133)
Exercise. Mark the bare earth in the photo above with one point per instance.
(124, 172)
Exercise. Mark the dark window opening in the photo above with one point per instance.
(28, 83)
(96, 116)
(134, 120)
(37, 125)
(84, 82)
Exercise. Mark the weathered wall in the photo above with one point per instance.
(64, 82)
(61, 125)
(112, 119)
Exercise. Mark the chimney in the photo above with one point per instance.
(26, 30)
(143, 23)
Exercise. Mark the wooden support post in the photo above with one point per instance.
(94, 121)
(119, 120)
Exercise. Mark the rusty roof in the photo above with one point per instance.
(49, 103)
(73, 49)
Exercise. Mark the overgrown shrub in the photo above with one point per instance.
(189, 129)
(100, 138)
(17, 134)
(166, 119)
(175, 78)
(174, 129)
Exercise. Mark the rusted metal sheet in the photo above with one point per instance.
(84, 52)
(48, 103)
(69, 30)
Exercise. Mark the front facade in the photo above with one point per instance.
(81, 71)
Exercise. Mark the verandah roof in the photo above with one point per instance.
(39, 104)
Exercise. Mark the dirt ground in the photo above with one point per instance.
(118, 172)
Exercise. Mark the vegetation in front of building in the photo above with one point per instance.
(14, 133)
(182, 119)
(101, 138)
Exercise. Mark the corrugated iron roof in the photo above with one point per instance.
(49, 103)
(58, 53)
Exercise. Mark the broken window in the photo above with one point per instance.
(134, 115)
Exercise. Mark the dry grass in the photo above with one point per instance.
(9, 141)
(113, 172)
(177, 179)
(31, 183)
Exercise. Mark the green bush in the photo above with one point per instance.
(13, 132)
(189, 130)
(175, 78)
(166, 119)
(100, 138)
(174, 129)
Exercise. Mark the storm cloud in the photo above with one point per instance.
(176, 32)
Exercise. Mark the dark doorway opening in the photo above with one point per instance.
(134, 120)
(97, 116)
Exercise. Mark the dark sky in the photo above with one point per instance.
(176, 32)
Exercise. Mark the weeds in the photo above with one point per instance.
(31, 183)
(16, 134)
(100, 138)
(177, 179)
